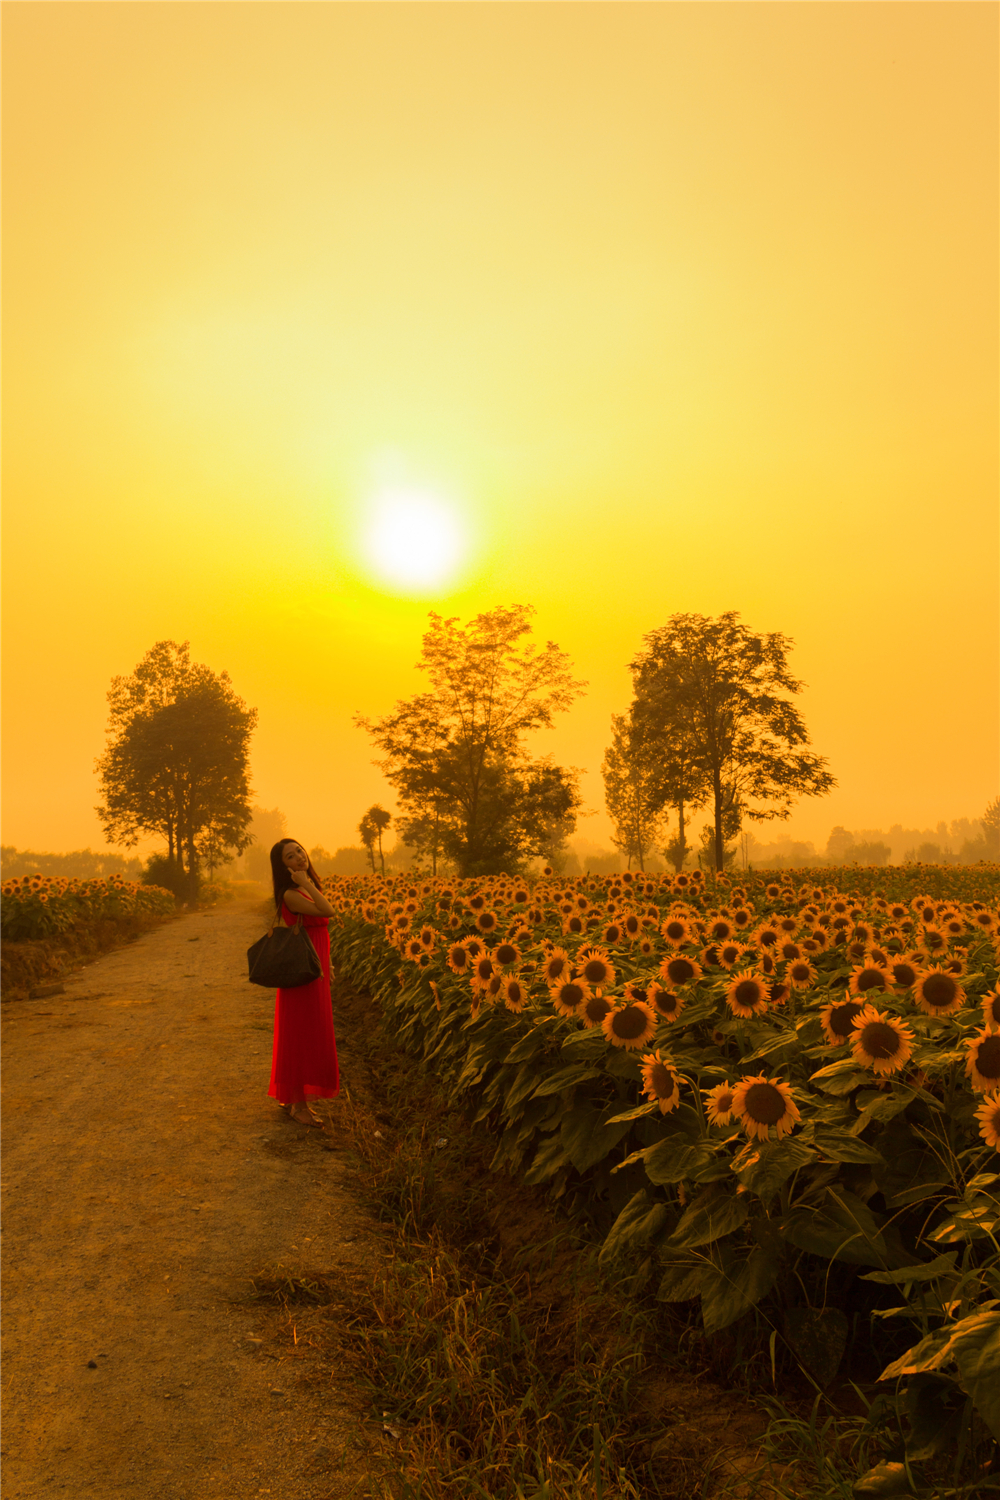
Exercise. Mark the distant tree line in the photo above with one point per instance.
(80, 864)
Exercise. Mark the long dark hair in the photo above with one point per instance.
(281, 875)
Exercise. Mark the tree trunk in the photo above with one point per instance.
(380, 855)
(680, 834)
(720, 848)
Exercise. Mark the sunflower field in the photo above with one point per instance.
(41, 906)
(771, 1097)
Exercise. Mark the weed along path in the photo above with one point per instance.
(148, 1179)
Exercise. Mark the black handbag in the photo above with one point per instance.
(283, 958)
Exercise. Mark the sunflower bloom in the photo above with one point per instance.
(665, 1002)
(613, 933)
(630, 1026)
(557, 966)
(678, 970)
(568, 996)
(593, 1011)
(760, 1102)
(507, 955)
(983, 1061)
(646, 947)
(837, 1020)
(988, 1115)
(868, 976)
(881, 1042)
(729, 954)
(515, 995)
(778, 992)
(991, 1009)
(661, 1081)
(938, 993)
(746, 995)
(719, 1104)
(801, 975)
(595, 968)
(676, 931)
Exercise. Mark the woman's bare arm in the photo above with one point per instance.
(307, 900)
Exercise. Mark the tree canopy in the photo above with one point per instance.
(716, 690)
(176, 762)
(455, 754)
(632, 794)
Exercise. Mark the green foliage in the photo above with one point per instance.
(455, 755)
(877, 1187)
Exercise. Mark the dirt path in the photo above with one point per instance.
(148, 1177)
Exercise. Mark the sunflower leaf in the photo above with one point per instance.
(713, 1213)
(841, 1227)
(635, 1114)
(669, 1161)
(838, 1145)
(771, 1165)
(683, 1280)
(587, 1134)
(639, 1221)
(774, 1043)
(733, 1290)
(926, 1271)
(565, 1078)
(549, 1157)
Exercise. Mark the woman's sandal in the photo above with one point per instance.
(310, 1119)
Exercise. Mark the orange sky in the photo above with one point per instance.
(677, 306)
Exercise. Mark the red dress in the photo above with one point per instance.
(304, 1060)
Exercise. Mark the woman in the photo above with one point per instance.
(304, 1062)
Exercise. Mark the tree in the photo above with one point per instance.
(715, 686)
(374, 823)
(991, 829)
(176, 762)
(632, 794)
(455, 754)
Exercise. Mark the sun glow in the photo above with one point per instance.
(413, 540)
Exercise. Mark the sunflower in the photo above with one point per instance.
(988, 1115)
(575, 925)
(991, 1009)
(424, 961)
(665, 1002)
(635, 992)
(493, 987)
(746, 995)
(506, 955)
(766, 935)
(742, 918)
(613, 933)
(593, 1011)
(778, 992)
(515, 996)
(428, 937)
(646, 947)
(760, 1102)
(868, 976)
(720, 930)
(932, 941)
(983, 1061)
(676, 931)
(401, 923)
(837, 1020)
(729, 954)
(556, 966)
(938, 993)
(661, 1081)
(594, 966)
(817, 941)
(772, 891)
(679, 970)
(633, 925)
(880, 956)
(709, 957)
(487, 921)
(881, 1042)
(855, 951)
(788, 926)
(483, 969)
(985, 921)
(719, 1104)
(474, 947)
(801, 975)
(568, 996)
(788, 952)
(767, 964)
(630, 1026)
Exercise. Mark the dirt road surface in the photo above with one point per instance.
(148, 1178)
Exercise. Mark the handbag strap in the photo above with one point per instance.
(277, 918)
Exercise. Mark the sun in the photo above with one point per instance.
(413, 540)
